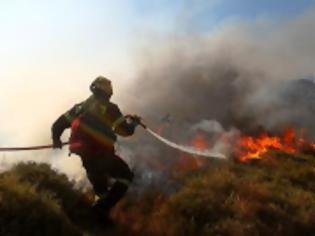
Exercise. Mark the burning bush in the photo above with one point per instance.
(250, 147)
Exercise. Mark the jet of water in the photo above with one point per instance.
(188, 149)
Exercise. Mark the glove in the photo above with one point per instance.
(57, 144)
(135, 119)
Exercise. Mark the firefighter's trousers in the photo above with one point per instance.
(100, 169)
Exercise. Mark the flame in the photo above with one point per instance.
(190, 163)
(199, 141)
(249, 147)
(246, 147)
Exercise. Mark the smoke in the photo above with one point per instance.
(243, 77)
(208, 126)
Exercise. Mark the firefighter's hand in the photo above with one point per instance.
(57, 144)
(135, 119)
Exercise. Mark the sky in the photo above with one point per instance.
(50, 51)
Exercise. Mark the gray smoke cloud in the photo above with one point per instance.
(244, 77)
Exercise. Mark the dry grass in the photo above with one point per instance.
(273, 196)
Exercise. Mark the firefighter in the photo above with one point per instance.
(94, 124)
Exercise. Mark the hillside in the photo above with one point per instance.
(271, 196)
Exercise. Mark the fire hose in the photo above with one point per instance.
(187, 149)
(15, 149)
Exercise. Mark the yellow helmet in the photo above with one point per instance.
(102, 85)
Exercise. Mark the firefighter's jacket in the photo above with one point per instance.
(94, 124)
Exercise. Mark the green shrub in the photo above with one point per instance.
(36, 200)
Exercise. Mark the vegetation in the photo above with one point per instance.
(36, 200)
(271, 196)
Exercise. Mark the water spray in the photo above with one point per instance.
(187, 149)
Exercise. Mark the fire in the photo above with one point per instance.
(190, 163)
(199, 141)
(249, 147)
